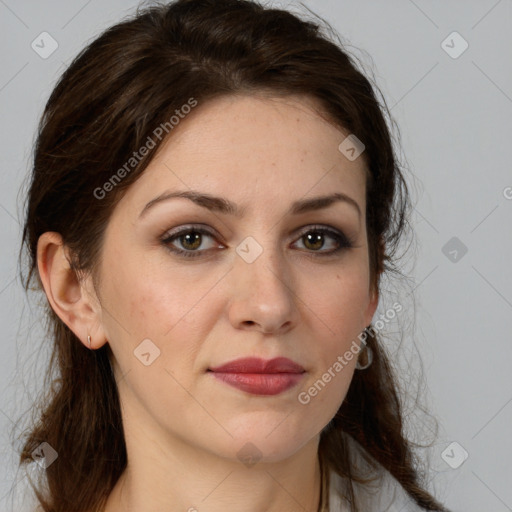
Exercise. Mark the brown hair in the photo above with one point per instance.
(107, 104)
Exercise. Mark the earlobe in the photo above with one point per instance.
(66, 294)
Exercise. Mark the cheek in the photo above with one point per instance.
(173, 309)
(340, 304)
(336, 310)
(149, 307)
(149, 295)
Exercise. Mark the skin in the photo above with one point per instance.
(183, 427)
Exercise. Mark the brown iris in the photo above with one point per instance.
(315, 240)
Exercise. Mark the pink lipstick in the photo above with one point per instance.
(258, 376)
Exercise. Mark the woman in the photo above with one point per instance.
(214, 199)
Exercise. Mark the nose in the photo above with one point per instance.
(263, 296)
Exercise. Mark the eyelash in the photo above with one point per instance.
(343, 241)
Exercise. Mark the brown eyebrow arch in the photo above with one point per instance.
(222, 205)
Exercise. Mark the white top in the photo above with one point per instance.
(383, 495)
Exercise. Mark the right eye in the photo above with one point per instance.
(190, 238)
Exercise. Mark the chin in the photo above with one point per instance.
(267, 442)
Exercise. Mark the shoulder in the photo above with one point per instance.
(383, 494)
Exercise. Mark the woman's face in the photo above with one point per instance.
(187, 286)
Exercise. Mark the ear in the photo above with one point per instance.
(74, 301)
(372, 307)
(374, 286)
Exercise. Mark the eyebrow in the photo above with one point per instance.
(223, 205)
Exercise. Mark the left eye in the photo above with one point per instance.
(191, 238)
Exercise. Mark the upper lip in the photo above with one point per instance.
(257, 365)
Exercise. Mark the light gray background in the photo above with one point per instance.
(455, 118)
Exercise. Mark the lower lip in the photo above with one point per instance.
(260, 383)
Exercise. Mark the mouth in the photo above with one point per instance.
(258, 376)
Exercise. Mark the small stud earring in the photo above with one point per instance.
(89, 341)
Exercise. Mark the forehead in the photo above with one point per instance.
(251, 148)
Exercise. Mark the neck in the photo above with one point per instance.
(177, 477)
